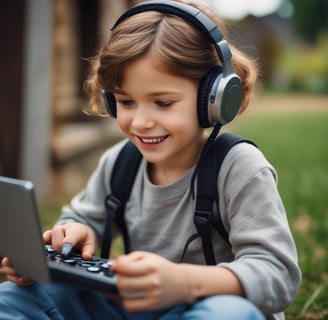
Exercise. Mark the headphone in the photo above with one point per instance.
(220, 91)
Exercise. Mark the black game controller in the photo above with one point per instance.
(72, 269)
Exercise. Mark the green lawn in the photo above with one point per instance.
(296, 144)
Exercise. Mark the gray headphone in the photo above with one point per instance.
(220, 91)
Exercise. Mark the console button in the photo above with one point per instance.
(94, 269)
(70, 261)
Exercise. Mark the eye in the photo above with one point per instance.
(164, 104)
(126, 102)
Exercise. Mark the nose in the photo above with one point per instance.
(143, 118)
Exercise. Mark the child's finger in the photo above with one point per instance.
(47, 236)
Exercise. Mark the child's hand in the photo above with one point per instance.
(80, 236)
(147, 281)
(13, 276)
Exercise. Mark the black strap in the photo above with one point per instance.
(208, 195)
(121, 182)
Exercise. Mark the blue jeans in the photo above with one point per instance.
(56, 302)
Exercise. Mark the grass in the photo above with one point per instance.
(295, 143)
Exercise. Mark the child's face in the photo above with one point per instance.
(157, 111)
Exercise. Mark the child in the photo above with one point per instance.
(156, 68)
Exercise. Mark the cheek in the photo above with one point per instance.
(191, 115)
(185, 123)
(122, 120)
(189, 121)
(192, 112)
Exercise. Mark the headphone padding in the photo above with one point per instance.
(110, 102)
(203, 96)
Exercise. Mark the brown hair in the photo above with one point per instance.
(175, 45)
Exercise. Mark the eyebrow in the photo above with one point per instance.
(119, 91)
(154, 94)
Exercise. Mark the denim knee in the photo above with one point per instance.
(224, 307)
(55, 302)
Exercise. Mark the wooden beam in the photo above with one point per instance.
(11, 36)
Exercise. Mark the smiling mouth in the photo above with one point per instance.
(153, 140)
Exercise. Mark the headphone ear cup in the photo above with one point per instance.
(219, 98)
(204, 90)
(110, 102)
(230, 97)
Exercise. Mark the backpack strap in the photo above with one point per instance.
(207, 194)
(122, 179)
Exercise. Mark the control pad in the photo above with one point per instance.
(95, 265)
(94, 274)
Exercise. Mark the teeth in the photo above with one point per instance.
(153, 140)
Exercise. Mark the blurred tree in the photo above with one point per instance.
(310, 18)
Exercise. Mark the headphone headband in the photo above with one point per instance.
(189, 13)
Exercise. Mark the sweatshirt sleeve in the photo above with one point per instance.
(88, 206)
(262, 243)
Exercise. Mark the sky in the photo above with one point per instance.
(238, 9)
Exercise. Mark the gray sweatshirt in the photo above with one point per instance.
(160, 220)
